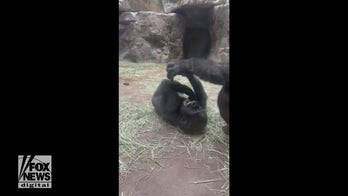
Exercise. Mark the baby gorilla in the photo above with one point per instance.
(189, 114)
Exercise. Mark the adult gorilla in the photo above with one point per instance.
(189, 114)
(210, 71)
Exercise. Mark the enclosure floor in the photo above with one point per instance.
(179, 171)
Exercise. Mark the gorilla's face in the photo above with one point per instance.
(190, 106)
(193, 117)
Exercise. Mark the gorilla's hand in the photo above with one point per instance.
(181, 67)
(173, 69)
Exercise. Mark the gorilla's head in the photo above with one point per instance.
(193, 118)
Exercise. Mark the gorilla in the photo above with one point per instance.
(196, 43)
(189, 114)
(216, 73)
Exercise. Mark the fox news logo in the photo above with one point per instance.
(35, 171)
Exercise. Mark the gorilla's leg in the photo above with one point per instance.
(205, 69)
(224, 107)
(224, 104)
(199, 90)
(167, 86)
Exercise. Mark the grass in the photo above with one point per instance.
(131, 121)
(133, 71)
(138, 120)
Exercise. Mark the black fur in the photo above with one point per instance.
(191, 118)
(210, 71)
(197, 43)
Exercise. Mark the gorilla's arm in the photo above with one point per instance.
(208, 70)
(199, 90)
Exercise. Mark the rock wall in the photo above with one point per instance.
(163, 5)
(220, 32)
(150, 37)
(150, 33)
(169, 5)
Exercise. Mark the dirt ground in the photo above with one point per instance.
(175, 169)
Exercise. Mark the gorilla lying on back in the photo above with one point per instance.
(216, 73)
(189, 114)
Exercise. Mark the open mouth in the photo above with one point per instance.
(192, 104)
(187, 102)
